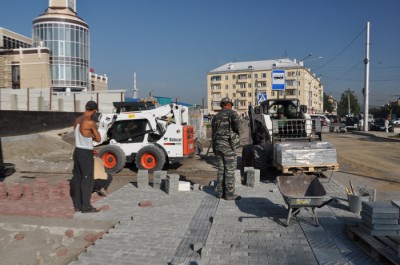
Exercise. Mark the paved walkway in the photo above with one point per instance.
(193, 227)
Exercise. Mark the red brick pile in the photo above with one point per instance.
(39, 199)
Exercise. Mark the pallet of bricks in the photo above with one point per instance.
(378, 232)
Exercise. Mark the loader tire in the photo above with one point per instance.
(248, 155)
(113, 157)
(151, 158)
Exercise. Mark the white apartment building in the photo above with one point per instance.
(247, 83)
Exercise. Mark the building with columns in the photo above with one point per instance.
(245, 83)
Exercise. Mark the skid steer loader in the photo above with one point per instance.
(150, 138)
(289, 144)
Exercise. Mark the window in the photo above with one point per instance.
(234, 95)
(249, 86)
(264, 75)
(290, 82)
(15, 77)
(61, 48)
(242, 95)
(249, 94)
(226, 86)
(233, 77)
(216, 78)
(255, 75)
(234, 86)
(62, 72)
(242, 85)
(226, 77)
(249, 76)
(272, 93)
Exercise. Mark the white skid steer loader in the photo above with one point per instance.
(150, 138)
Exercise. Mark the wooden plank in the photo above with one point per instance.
(307, 168)
(373, 247)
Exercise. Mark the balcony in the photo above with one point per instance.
(243, 80)
(241, 89)
(242, 98)
(216, 82)
(216, 91)
(242, 107)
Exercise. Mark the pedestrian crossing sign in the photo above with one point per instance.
(262, 97)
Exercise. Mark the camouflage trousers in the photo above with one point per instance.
(227, 162)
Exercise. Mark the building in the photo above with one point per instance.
(247, 83)
(57, 56)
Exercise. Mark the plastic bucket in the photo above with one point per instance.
(355, 201)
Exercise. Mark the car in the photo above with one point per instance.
(324, 120)
(379, 125)
(396, 122)
(333, 118)
(351, 123)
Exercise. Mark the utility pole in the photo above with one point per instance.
(366, 89)
(348, 104)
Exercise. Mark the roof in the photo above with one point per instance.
(256, 65)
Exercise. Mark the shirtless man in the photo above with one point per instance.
(85, 131)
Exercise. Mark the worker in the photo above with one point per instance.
(102, 179)
(225, 139)
(86, 132)
(281, 117)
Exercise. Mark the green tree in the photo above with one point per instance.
(328, 104)
(343, 104)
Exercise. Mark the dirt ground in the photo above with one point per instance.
(371, 162)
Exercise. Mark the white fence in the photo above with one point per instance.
(43, 99)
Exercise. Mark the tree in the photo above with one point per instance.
(328, 104)
(343, 105)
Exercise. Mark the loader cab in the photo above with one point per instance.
(288, 107)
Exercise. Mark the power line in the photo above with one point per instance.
(337, 55)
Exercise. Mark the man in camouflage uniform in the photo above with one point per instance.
(225, 140)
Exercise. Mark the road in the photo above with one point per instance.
(373, 162)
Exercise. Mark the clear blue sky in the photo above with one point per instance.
(171, 45)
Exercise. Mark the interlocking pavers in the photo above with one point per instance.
(248, 231)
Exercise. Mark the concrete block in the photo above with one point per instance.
(379, 207)
(143, 178)
(196, 247)
(368, 219)
(184, 186)
(196, 187)
(253, 177)
(158, 177)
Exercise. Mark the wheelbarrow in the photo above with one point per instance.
(304, 191)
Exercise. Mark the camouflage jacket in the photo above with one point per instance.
(226, 129)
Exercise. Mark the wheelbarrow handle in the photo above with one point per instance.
(328, 201)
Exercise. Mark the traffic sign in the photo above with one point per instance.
(262, 97)
(278, 79)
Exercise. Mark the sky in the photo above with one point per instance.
(172, 45)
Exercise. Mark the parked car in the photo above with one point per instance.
(396, 122)
(379, 125)
(324, 120)
(333, 118)
(351, 123)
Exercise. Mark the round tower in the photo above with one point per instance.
(67, 36)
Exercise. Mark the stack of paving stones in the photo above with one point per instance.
(159, 177)
(37, 199)
(380, 218)
(301, 153)
(41, 189)
(3, 191)
(253, 177)
(143, 179)
(172, 184)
